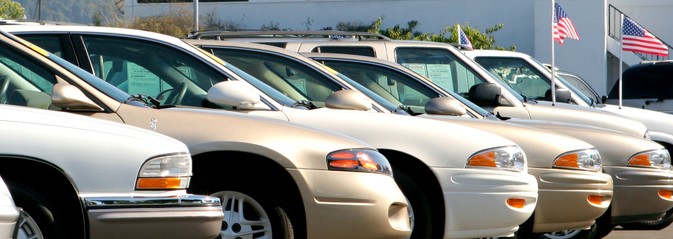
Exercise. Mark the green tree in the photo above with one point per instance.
(479, 40)
(11, 10)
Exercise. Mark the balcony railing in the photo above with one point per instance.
(614, 31)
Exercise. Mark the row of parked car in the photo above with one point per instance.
(289, 139)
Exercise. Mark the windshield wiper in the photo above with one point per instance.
(146, 100)
(304, 104)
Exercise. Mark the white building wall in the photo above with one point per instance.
(527, 23)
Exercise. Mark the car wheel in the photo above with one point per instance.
(26, 227)
(248, 217)
(38, 217)
(572, 234)
(423, 225)
(657, 224)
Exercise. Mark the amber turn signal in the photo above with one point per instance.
(667, 194)
(516, 202)
(595, 199)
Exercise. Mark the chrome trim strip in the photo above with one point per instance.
(138, 202)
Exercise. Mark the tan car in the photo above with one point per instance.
(570, 197)
(274, 178)
(620, 153)
(446, 171)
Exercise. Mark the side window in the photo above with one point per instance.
(142, 67)
(23, 82)
(518, 74)
(353, 50)
(440, 66)
(294, 79)
(390, 85)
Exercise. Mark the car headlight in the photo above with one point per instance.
(359, 160)
(508, 157)
(588, 159)
(659, 158)
(165, 172)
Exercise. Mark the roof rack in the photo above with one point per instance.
(35, 22)
(332, 35)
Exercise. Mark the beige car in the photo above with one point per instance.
(569, 197)
(274, 178)
(445, 170)
(620, 152)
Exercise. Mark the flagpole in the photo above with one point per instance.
(621, 55)
(553, 88)
(458, 34)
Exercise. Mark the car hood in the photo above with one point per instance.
(615, 147)
(438, 144)
(585, 116)
(659, 124)
(208, 130)
(540, 153)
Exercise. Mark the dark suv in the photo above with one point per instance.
(648, 85)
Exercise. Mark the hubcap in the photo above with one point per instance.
(244, 217)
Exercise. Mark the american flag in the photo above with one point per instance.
(562, 27)
(463, 41)
(637, 39)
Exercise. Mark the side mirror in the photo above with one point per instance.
(562, 95)
(348, 100)
(604, 99)
(485, 94)
(69, 97)
(445, 106)
(233, 93)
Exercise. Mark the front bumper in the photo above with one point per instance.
(187, 216)
(8, 217)
(475, 201)
(342, 204)
(636, 193)
(563, 198)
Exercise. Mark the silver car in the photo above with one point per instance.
(79, 177)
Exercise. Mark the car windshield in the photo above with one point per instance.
(444, 68)
(295, 80)
(394, 86)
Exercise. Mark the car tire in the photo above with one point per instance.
(422, 224)
(572, 234)
(26, 227)
(657, 224)
(253, 213)
(40, 216)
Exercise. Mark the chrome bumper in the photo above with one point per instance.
(188, 216)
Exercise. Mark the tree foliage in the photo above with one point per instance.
(449, 34)
(11, 10)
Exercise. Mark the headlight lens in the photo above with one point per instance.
(588, 159)
(659, 158)
(509, 157)
(359, 160)
(165, 172)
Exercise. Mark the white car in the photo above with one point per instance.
(79, 177)
(9, 214)
(444, 170)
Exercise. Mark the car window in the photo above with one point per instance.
(353, 50)
(296, 80)
(391, 85)
(518, 74)
(148, 68)
(646, 81)
(23, 82)
(440, 66)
